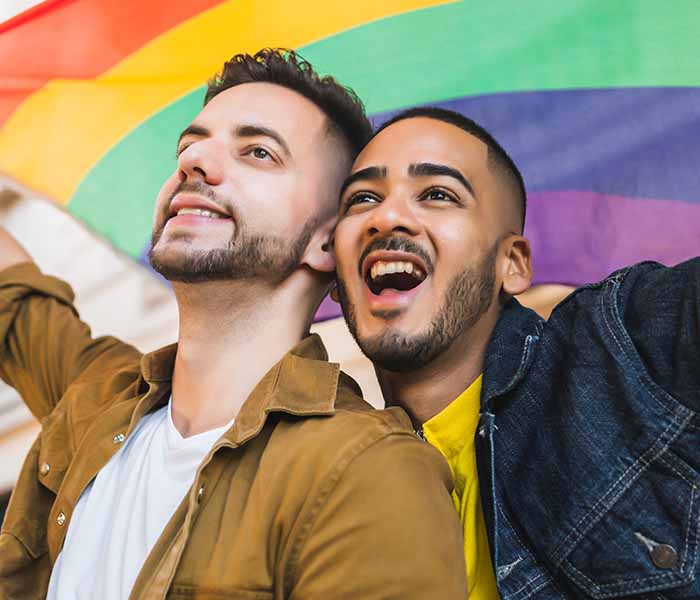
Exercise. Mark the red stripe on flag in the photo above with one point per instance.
(79, 39)
(30, 13)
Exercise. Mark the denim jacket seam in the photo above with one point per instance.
(690, 513)
(528, 345)
(675, 470)
(518, 595)
(614, 491)
(629, 354)
(647, 580)
(542, 575)
(624, 588)
(634, 585)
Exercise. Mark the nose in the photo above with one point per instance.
(201, 161)
(393, 215)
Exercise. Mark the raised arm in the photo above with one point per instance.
(44, 346)
(387, 529)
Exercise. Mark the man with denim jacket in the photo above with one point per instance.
(584, 430)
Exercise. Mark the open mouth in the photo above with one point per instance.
(385, 277)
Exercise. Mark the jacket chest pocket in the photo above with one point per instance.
(647, 541)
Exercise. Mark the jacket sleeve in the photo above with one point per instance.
(44, 345)
(388, 529)
(662, 316)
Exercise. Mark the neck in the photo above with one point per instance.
(426, 391)
(230, 335)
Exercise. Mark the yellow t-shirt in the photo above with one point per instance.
(452, 433)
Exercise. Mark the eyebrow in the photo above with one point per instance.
(428, 169)
(366, 174)
(197, 130)
(247, 131)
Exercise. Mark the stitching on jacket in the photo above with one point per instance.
(600, 507)
(608, 499)
(634, 586)
(663, 459)
(544, 575)
(630, 355)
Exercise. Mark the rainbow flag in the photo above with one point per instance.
(597, 101)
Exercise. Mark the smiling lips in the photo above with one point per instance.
(190, 209)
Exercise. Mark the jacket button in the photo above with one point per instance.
(45, 468)
(664, 556)
(61, 519)
(119, 438)
(200, 493)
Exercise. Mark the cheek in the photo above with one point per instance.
(163, 198)
(347, 242)
(459, 239)
(272, 203)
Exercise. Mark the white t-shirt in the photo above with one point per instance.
(122, 512)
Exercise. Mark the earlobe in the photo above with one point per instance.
(319, 254)
(517, 275)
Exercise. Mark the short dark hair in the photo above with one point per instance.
(500, 160)
(286, 68)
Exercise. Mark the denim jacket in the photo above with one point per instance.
(588, 447)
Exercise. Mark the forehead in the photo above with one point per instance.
(267, 104)
(422, 139)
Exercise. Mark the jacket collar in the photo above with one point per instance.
(510, 350)
(302, 383)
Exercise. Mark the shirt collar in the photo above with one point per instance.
(302, 383)
(510, 350)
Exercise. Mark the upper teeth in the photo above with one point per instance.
(199, 211)
(381, 267)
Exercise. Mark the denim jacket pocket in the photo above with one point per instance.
(647, 541)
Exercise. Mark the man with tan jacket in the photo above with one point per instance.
(237, 463)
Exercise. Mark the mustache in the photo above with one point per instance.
(202, 189)
(395, 244)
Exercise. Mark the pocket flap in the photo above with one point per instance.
(647, 541)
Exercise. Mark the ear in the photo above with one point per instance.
(517, 268)
(319, 252)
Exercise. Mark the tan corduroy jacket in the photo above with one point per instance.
(311, 495)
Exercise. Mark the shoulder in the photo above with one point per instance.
(355, 433)
(640, 287)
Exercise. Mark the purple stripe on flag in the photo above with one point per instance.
(579, 237)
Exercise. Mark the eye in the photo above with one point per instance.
(181, 149)
(360, 198)
(438, 195)
(260, 153)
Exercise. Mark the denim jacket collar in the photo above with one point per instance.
(510, 350)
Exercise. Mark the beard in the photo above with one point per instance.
(246, 256)
(469, 295)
